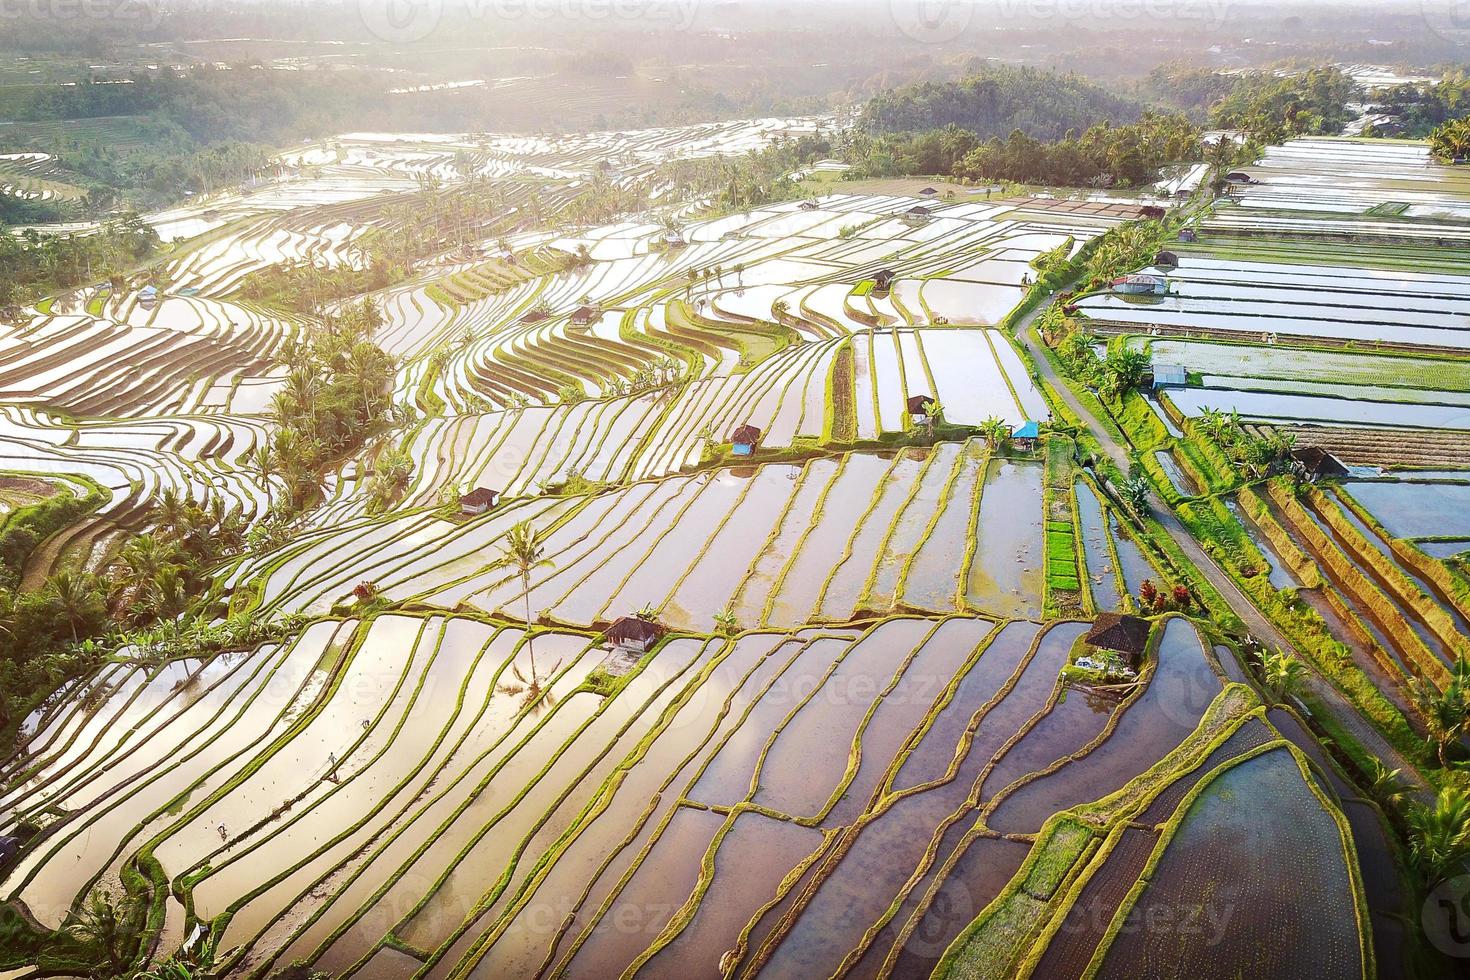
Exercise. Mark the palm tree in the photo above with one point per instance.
(171, 509)
(143, 557)
(1446, 713)
(1282, 674)
(1439, 836)
(1385, 786)
(263, 463)
(76, 599)
(167, 593)
(108, 928)
(525, 550)
(302, 388)
(138, 565)
(1452, 140)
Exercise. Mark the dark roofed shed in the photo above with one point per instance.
(1120, 633)
(633, 632)
(919, 404)
(1318, 462)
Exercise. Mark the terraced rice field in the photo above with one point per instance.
(1311, 308)
(413, 807)
(848, 750)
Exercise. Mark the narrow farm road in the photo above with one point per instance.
(1256, 622)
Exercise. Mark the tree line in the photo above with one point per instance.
(37, 264)
(337, 395)
(997, 100)
(1104, 155)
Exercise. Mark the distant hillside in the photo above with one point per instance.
(998, 100)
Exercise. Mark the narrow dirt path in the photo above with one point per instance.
(1331, 700)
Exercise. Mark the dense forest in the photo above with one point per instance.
(1102, 156)
(997, 100)
(1037, 127)
(212, 104)
(187, 132)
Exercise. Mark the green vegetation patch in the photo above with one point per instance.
(990, 944)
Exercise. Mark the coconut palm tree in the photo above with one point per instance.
(108, 928)
(1282, 674)
(76, 599)
(303, 387)
(167, 593)
(525, 550)
(264, 465)
(1446, 713)
(171, 510)
(1439, 836)
(1452, 140)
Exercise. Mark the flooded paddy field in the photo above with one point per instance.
(841, 736)
(1412, 509)
(723, 769)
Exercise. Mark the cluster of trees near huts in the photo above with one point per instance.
(1422, 108)
(155, 594)
(151, 596)
(38, 264)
